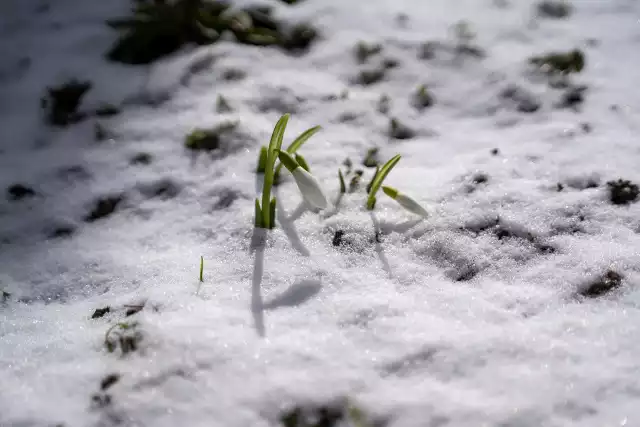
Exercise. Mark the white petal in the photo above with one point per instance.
(411, 205)
(310, 188)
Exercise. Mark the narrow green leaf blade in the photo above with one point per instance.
(373, 178)
(262, 159)
(379, 178)
(272, 209)
(302, 138)
(258, 215)
(201, 268)
(384, 171)
(278, 134)
(343, 186)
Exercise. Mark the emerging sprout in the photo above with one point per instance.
(265, 214)
(379, 177)
(422, 98)
(307, 184)
(343, 187)
(405, 201)
(262, 160)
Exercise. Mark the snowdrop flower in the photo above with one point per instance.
(307, 183)
(405, 201)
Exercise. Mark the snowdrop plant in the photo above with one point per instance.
(307, 184)
(265, 213)
(377, 180)
(405, 201)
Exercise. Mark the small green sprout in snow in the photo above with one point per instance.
(262, 160)
(307, 183)
(343, 187)
(201, 275)
(379, 177)
(405, 201)
(265, 213)
(422, 98)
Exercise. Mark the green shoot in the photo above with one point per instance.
(378, 179)
(373, 178)
(262, 160)
(296, 144)
(258, 221)
(343, 187)
(201, 268)
(265, 215)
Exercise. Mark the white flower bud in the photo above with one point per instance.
(310, 188)
(405, 201)
(411, 205)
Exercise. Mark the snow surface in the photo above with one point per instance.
(435, 325)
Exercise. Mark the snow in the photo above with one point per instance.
(441, 322)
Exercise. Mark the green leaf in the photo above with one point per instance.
(201, 268)
(343, 187)
(379, 178)
(274, 146)
(302, 138)
(278, 134)
(258, 215)
(373, 178)
(262, 159)
(272, 209)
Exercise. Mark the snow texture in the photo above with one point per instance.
(474, 316)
